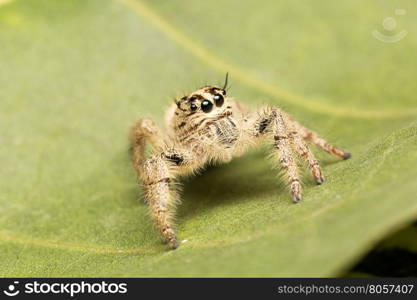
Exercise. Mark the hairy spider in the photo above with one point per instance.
(208, 126)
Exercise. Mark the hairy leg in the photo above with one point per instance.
(144, 131)
(272, 123)
(283, 142)
(305, 153)
(320, 142)
(157, 176)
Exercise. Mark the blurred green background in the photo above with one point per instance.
(75, 74)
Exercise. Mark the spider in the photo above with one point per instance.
(208, 126)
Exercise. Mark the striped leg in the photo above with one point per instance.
(157, 176)
(308, 156)
(283, 141)
(320, 142)
(144, 131)
(271, 122)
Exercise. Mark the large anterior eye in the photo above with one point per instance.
(219, 100)
(206, 106)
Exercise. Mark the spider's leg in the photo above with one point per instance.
(158, 175)
(313, 137)
(271, 122)
(283, 143)
(144, 131)
(157, 184)
(308, 156)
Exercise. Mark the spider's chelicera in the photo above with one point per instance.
(208, 126)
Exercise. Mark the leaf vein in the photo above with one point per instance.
(198, 51)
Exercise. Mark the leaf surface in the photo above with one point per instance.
(76, 74)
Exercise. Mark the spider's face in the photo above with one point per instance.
(208, 101)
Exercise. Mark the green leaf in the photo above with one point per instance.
(76, 74)
(395, 256)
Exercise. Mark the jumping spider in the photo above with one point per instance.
(207, 126)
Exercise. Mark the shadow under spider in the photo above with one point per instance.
(229, 184)
(243, 179)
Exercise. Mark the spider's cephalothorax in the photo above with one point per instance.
(206, 126)
(204, 123)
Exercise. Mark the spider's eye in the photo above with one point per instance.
(206, 106)
(193, 107)
(219, 100)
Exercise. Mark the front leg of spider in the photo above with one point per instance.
(288, 140)
(158, 175)
(283, 141)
